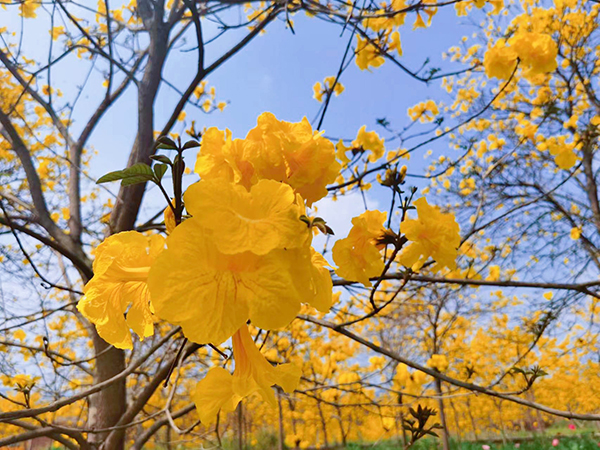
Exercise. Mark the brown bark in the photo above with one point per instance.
(129, 199)
(108, 405)
(281, 436)
(240, 425)
(323, 425)
(445, 433)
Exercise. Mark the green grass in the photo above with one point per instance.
(584, 442)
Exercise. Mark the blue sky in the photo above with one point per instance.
(275, 73)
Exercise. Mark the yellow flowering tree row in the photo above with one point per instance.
(211, 287)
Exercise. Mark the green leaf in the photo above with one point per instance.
(111, 176)
(161, 158)
(138, 173)
(139, 169)
(166, 143)
(159, 170)
(136, 180)
(190, 144)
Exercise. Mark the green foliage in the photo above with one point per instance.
(584, 442)
(138, 173)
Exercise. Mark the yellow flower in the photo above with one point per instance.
(318, 280)
(340, 152)
(419, 22)
(57, 32)
(438, 362)
(367, 55)
(318, 91)
(120, 278)
(219, 390)
(388, 423)
(292, 153)
(215, 393)
(411, 383)
(275, 150)
(433, 234)
(258, 221)
(169, 216)
(19, 381)
(20, 335)
(338, 89)
(395, 43)
(357, 256)
(29, 8)
(500, 61)
(564, 156)
(537, 51)
(575, 233)
(220, 158)
(370, 140)
(212, 294)
(421, 111)
(494, 273)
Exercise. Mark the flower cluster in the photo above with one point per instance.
(243, 254)
(329, 85)
(536, 51)
(276, 150)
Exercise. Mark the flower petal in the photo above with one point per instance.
(258, 221)
(214, 393)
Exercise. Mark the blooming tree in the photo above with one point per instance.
(228, 265)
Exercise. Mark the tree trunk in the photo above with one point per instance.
(281, 436)
(473, 424)
(342, 431)
(445, 433)
(111, 402)
(240, 426)
(323, 424)
(129, 199)
(108, 405)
